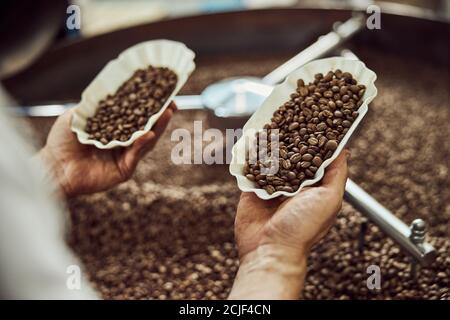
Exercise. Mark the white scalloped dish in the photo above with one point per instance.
(281, 94)
(158, 53)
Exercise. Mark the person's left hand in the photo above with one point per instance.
(82, 169)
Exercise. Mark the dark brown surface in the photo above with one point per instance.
(168, 232)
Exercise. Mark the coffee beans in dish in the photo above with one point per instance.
(126, 111)
(309, 128)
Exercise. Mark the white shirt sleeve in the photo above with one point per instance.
(35, 262)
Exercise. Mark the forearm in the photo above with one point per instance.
(269, 273)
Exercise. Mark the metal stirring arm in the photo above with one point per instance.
(325, 44)
(410, 239)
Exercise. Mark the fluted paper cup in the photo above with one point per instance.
(281, 94)
(158, 53)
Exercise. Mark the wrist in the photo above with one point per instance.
(270, 272)
(54, 169)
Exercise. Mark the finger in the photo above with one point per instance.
(158, 130)
(130, 157)
(148, 141)
(141, 146)
(173, 106)
(162, 122)
(336, 174)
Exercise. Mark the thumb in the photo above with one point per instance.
(131, 156)
(336, 174)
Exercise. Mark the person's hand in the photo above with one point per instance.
(295, 223)
(278, 234)
(82, 169)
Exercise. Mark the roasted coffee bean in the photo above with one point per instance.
(321, 126)
(317, 161)
(307, 157)
(293, 126)
(305, 164)
(346, 124)
(322, 141)
(331, 145)
(284, 188)
(291, 175)
(130, 107)
(286, 164)
(277, 181)
(309, 173)
(295, 157)
(270, 189)
(313, 141)
(262, 182)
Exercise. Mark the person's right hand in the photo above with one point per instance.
(274, 237)
(296, 223)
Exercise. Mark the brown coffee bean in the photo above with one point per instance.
(346, 124)
(270, 189)
(276, 181)
(321, 126)
(322, 141)
(331, 145)
(303, 91)
(291, 175)
(313, 141)
(286, 164)
(317, 161)
(309, 173)
(296, 157)
(293, 126)
(305, 164)
(307, 157)
(303, 150)
(262, 182)
(285, 188)
(312, 169)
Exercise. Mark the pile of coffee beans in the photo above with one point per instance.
(309, 128)
(126, 111)
(158, 238)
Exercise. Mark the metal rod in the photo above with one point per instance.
(424, 252)
(192, 102)
(323, 45)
